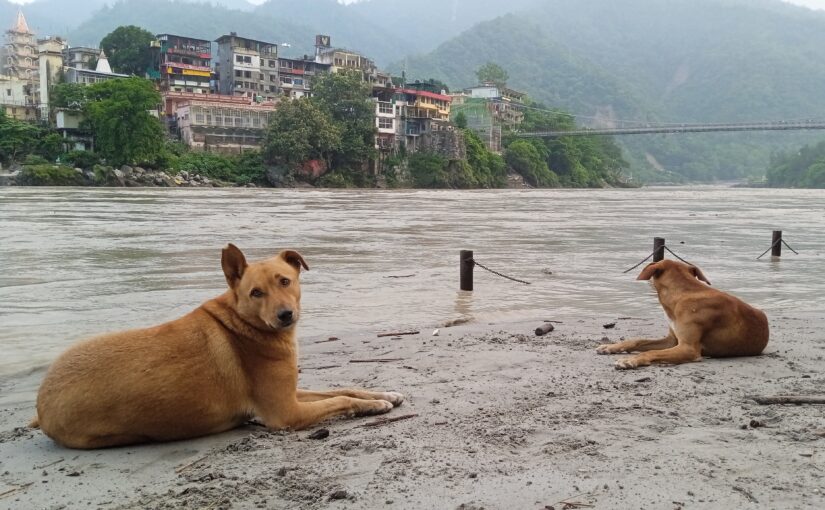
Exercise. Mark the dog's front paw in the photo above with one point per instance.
(629, 363)
(608, 349)
(373, 407)
(394, 398)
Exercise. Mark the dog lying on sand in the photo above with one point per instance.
(703, 321)
(233, 358)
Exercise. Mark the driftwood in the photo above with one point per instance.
(376, 360)
(543, 330)
(183, 468)
(18, 488)
(385, 421)
(398, 333)
(330, 339)
(790, 399)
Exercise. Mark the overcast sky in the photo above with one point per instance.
(813, 4)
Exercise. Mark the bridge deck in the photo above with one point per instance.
(682, 128)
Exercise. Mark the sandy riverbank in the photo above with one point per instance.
(504, 420)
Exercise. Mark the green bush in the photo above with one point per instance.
(429, 171)
(527, 160)
(34, 159)
(239, 169)
(50, 175)
(82, 159)
(335, 180)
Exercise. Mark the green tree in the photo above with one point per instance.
(69, 95)
(17, 138)
(50, 146)
(118, 112)
(489, 169)
(460, 120)
(299, 131)
(128, 50)
(527, 160)
(429, 170)
(492, 73)
(346, 98)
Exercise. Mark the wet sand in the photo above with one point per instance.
(505, 419)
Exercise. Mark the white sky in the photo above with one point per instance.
(813, 4)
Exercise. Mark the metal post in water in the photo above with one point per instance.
(776, 244)
(466, 262)
(658, 249)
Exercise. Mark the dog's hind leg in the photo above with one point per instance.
(639, 344)
(390, 396)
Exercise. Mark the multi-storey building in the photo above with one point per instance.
(247, 67)
(297, 75)
(504, 103)
(183, 64)
(340, 60)
(223, 123)
(16, 99)
(81, 57)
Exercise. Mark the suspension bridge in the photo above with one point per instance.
(636, 127)
(652, 129)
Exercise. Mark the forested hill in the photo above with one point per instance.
(804, 168)
(658, 60)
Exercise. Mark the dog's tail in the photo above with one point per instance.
(35, 423)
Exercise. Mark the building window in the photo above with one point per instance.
(239, 58)
(384, 107)
(273, 63)
(238, 73)
(247, 74)
(384, 123)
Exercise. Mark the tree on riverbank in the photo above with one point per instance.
(118, 113)
(803, 169)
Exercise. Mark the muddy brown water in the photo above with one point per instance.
(79, 261)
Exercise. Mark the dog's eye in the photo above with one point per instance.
(256, 293)
(285, 282)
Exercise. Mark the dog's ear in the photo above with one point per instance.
(293, 258)
(233, 263)
(649, 271)
(699, 274)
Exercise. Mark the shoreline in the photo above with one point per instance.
(504, 419)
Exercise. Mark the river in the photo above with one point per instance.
(79, 261)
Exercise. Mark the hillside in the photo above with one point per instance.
(658, 60)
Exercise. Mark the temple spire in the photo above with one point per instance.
(103, 64)
(21, 26)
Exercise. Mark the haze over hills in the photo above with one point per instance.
(671, 61)
(647, 60)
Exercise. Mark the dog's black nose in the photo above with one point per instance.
(285, 316)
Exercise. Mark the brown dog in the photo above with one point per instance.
(233, 358)
(703, 321)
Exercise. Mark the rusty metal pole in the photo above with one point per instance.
(467, 263)
(776, 250)
(658, 249)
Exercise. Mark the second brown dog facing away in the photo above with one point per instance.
(703, 321)
(232, 359)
